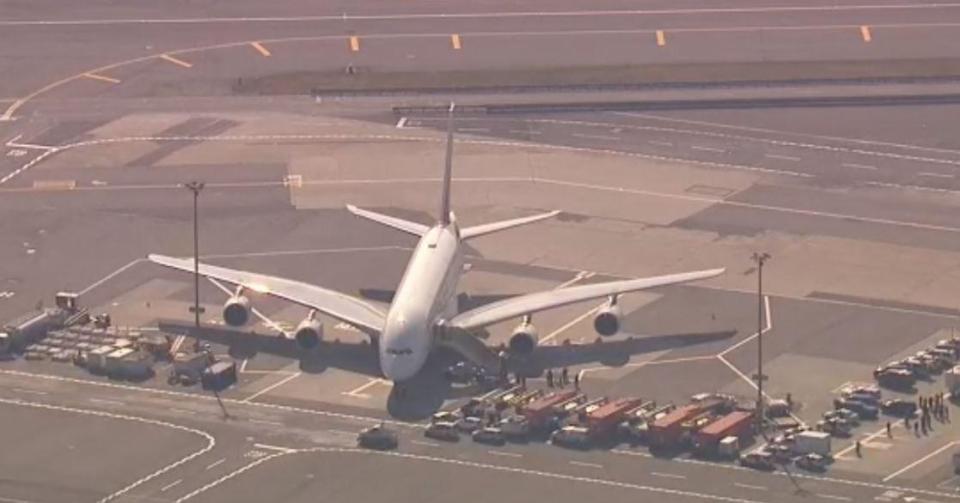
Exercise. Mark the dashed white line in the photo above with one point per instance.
(835, 497)
(402, 122)
(668, 475)
(751, 486)
(29, 391)
(921, 460)
(588, 465)
(105, 401)
(935, 175)
(595, 136)
(423, 443)
(660, 142)
(170, 485)
(505, 454)
(708, 149)
(215, 464)
(262, 421)
(782, 157)
(278, 448)
(858, 166)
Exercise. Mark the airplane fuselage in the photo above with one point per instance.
(426, 295)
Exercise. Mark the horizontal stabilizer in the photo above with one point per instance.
(394, 222)
(480, 230)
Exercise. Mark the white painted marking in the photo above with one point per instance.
(110, 276)
(279, 448)
(263, 421)
(782, 157)
(769, 319)
(229, 476)
(171, 485)
(29, 391)
(273, 386)
(31, 146)
(17, 152)
(356, 392)
(934, 175)
(660, 143)
(423, 443)
(402, 122)
(668, 475)
(505, 454)
(588, 465)
(215, 464)
(6, 294)
(595, 136)
(835, 497)
(921, 460)
(22, 169)
(105, 401)
(707, 149)
(569, 324)
(473, 130)
(750, 486)
(858, 166)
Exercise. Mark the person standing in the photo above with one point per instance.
(549, 378)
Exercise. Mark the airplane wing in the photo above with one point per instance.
(531, 303)
(338, 305)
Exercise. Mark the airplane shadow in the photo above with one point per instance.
(426, 392)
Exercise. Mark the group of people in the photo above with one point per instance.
(930, 407)
(561, 379)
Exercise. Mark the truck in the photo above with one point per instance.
(603, 420)
(738, 424)
(219, 375)
(20, 332)
(666, 430)
(541, 412)
(812, 442)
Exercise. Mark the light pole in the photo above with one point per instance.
(760, 259)
(196, 187)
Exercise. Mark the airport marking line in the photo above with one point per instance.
(455, 41)
(211, 442)
(354, 43)
(102, 78)
(782, 157)
(171, 485)
(834, 497)
(865, 33)
(661, 38)
(356, 392)
(215, 464)
(273, 386)
(921, 460)
(588, 465)
(261, 49)
(278, 448)
(751, 486)
(858, 166)
(668, 475)
(176, 61)
(505, 454)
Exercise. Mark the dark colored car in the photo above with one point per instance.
(442, 431)
(378, 437)
(899, 407)
(490, 436)
(757, 460)
(864, 410)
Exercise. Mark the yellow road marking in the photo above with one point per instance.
(354, 43)
(661, 38)
(101, 77)
(54, 184)
(261, 49)
(865, 32)
(455, 40)
(176, 61)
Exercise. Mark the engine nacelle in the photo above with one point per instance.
(309, 333)
(607, 320)
(236, 312)
(524, 338)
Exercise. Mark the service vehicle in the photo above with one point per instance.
(899, 407)
(576, 437)
(490, 436)
(378, 437)
(515, 427)
(846, 414)
(864, 410)
(812, 462)
(812, 442)
(469, 424)
(442, 430)
(759, 460)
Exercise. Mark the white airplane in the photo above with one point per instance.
(424, 309)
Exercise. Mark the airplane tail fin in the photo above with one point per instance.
(447, 171)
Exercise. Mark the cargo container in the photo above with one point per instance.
(603, 420)
(735, 424)
(728, 448)
(666, 430)
(541, 411)
(220, 375)
(812, 442)
(29, 328)
(190, 364)
(97, 358)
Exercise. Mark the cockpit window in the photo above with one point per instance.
(399, 351)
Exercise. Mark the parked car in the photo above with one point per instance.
(469, 424)
(899, 407)
(864, 410)
(867, 398)
(442, 430)
(846, 414)
(575, 437)
(837, 427)
(812, 462)
(444, 417)
(758, 460)
(897, 378)
(489, 435)
(378, 437)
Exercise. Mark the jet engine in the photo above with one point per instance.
(524, 338)
(607, 320)
(309, 333)
(236, 312)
